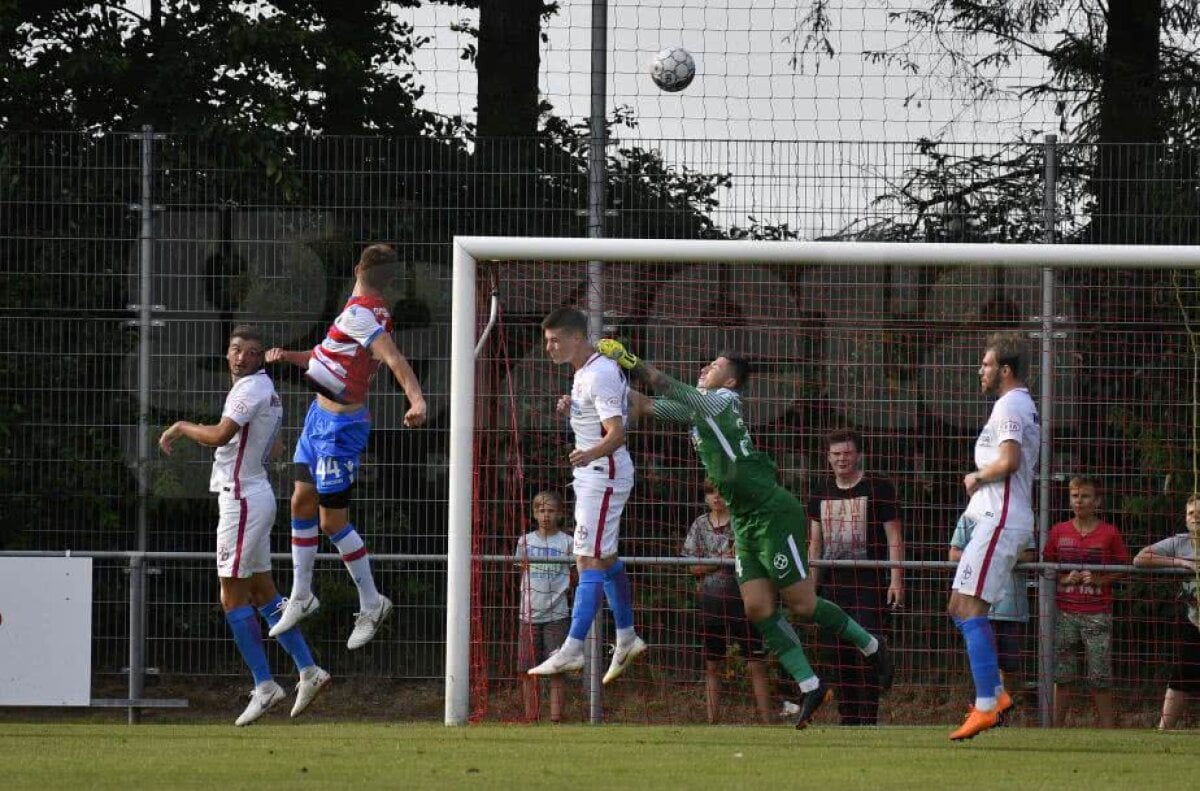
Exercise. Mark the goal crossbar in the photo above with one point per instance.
(468, 250)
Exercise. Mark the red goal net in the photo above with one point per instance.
(891, 353)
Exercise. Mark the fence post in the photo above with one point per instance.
(1046, 582)
(597, 184)
(145, 324)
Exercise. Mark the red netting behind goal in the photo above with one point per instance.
(892, 353)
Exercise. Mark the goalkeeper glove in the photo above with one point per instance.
(615, 350)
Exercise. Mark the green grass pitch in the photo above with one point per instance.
(354, 757)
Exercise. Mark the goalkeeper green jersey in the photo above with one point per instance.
(744, 476)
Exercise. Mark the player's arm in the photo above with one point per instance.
(670, 388)
(383, 348)
(1007, 462)
(816, 544)
(895, 544)
(614, 437)
(955, 554)
(212, 436)
(278, 355)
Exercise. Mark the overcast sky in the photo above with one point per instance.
(746, 89)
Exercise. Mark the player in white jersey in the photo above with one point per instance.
(246, 437)
(1001, 492)
(603, 479)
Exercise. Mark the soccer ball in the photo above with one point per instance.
(673, 69)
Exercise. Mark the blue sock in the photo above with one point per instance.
(587, 602)
(243, 622)
(619, 596)
(981, 651)
(292, 640)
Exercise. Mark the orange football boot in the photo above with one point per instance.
(979, 721)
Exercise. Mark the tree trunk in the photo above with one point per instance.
(1130, 122)
(507, 64)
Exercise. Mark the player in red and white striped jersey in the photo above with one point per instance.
(245, 438)
(340, 369)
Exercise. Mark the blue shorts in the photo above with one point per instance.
(330, 445)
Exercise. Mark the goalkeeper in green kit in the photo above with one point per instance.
(770, 526)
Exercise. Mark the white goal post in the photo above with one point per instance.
(468, 250)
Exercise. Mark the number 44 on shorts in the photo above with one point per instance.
(329, 469)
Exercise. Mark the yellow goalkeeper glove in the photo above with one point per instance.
(615, 350)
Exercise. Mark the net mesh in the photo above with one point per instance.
(893, 353)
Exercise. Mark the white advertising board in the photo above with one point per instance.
(45, 631)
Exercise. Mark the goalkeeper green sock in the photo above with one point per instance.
(832, 617)
(785, 643)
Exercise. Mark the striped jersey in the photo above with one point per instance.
(342, 367)
(239, 466)
(599, 392)
(1014, 418)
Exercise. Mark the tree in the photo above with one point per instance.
(1121, 72)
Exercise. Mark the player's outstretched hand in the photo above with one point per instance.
(615, 350)
(276, 355)
(563, 407)
(168, 437)
(415, 416)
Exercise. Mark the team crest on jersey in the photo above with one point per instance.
(223, 553)
(581, 533)
(780, 562)
(966, 573)
(240, 407)
(1010, 426)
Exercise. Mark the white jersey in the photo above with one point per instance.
(1010, 501)
(544, 586)
(599, 392)
(239, 466)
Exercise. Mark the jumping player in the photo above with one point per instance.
(1001, 492)
(603, 475)
(335, 432)
(770, 526)
(246, 436)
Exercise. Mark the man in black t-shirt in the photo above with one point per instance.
(854, 516)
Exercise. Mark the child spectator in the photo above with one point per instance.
(545, 614)
(1084, 600)
(1180, 552)
(722, 615)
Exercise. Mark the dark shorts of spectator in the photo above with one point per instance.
(536, 641)
(719, 634)
(1010, 635)
(1185, 676)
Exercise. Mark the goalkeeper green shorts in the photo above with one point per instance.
(772, 541)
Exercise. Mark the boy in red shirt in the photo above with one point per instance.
(1084, 600)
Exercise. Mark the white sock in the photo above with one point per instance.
(571, 647)
(625, 636)
(358, 563)
(872, 647)
(809, 684)
(304, 557)
(985, 704)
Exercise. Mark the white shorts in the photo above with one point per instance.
(244, 534)
(599, 501)
(985, 569)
